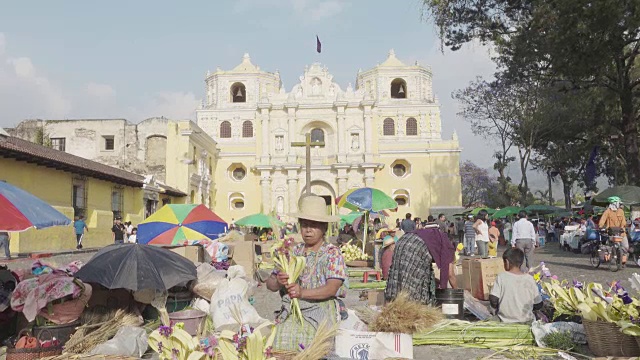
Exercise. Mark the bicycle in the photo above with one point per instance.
(608, 248)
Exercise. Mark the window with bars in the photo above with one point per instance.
(225, 130)
(79, 197)
(58, 144)
(412, 126)
(109, 142)
(388, 127)
(117, 201)
(247, 129)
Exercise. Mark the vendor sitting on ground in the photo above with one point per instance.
(515, 294)
(321, 283)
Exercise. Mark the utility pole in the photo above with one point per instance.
(307, 145)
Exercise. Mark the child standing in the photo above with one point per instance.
(515, 294)
(494, 236)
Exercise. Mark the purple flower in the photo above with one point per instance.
(577, 284)
(175, 354)
(165, 331)
(301, 345)
(160, 346)
(268, 352)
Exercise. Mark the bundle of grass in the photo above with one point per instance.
(405, 316)
(322, 343)
(231, 236)
(99, 328)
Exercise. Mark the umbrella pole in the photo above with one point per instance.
(366, 227)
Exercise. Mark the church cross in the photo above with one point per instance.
(307, 144)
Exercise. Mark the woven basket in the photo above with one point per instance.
(36, 353)
(605, 339)
(284, 355)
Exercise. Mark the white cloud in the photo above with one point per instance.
(102, 92)
(25, 92)
(173, 105)
(325, 9)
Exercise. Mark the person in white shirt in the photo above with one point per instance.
(524, 237)
(133, 238)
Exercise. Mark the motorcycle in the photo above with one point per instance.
(608, 249)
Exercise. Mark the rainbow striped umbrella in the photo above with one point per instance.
(179, 223)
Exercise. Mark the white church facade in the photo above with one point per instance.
(384, 132)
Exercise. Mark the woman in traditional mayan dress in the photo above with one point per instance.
(320, 285)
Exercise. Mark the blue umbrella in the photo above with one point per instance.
(20, 210)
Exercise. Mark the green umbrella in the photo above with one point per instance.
(506, 212)
(475, 211)
(543, 209)
(629, 195)
(349, 218)
(259, 220)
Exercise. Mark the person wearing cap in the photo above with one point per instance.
(118, 230)
(613, 219)
(388, 247)
(494, 235)
(323, 280)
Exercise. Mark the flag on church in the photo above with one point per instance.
(318, 45)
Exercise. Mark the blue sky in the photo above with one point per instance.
(138, 59)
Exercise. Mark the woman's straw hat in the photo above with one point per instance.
(314, 208)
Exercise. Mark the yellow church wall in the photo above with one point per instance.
(57, 191)
(248, 189)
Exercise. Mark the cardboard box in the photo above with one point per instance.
(372, 345)
(243, 253)
(195, 253)
(483, 276)
(466, 275)
(375, 297)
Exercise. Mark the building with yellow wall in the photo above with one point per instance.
(384, 133)
(74, 186)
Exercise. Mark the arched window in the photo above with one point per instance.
(238, 93)
(317, 135)
(225, 130)
(236, 201)
(412, 126)
(247, 129)
(388, 127)
(399, 89)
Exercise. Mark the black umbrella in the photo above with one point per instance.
(137, 267)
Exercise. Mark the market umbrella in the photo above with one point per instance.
(20, 210)
(349, 218)
(543, 209)
(475, 211)
(137, 267)
(367, 199)
(629, 195)
(506, 212)
(179, 223)
(259, 220)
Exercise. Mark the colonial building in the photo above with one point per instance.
(176, 153)
(77, 186)
(385, 132)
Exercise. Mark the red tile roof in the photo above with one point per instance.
(22, 150)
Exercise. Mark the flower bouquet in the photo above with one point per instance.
(292, 265)
(174, 343)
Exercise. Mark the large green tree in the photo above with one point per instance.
(590, 43)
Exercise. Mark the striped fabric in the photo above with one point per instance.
(411, 271)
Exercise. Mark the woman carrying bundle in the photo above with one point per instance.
(322, 281)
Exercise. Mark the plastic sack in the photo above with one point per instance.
(231, 295)
(540, 330)
(238, 272)
(129, 341)
(201, 304)
(207, 281)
